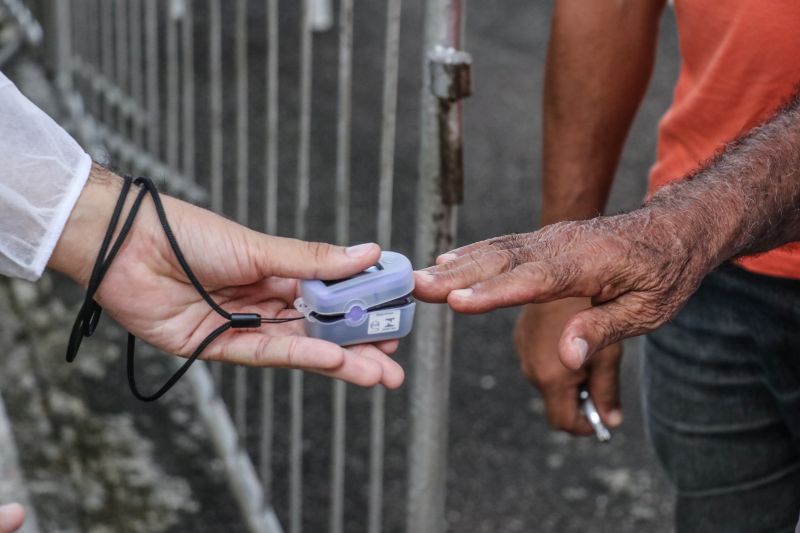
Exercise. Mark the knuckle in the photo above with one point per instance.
(549, 377)
(263, 348)
(291, 351)
(318, 251)
(558, 421)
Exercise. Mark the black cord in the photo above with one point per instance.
(90, 312)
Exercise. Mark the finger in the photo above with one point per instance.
(258, 349)
(603, 384)
(293, 258)
(435, 283)
(543, 281)
(592, 330)
(265, 289)
(502, 242)
(12, 516)
(393, 373)
(356, 369)
(561, 408)
(388, 347)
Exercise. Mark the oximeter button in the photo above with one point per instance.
(355, 315)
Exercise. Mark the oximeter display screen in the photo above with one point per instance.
(377, 268)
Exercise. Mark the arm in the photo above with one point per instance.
(599, 62)
(639, 267)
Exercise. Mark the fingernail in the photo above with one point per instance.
(462, 293)
(360, 250)
(614, 418)
(581, 348)
(444, 258)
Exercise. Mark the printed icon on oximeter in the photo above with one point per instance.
(374, 305)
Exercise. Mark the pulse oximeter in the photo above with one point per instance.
(374, 305)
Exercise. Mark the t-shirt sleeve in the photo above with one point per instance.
(42, 173)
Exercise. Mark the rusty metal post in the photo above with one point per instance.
(445, 82)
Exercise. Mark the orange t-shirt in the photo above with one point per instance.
(741, 62)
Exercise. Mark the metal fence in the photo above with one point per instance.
(127, 72)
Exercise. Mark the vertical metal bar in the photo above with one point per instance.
(343, 128)
(296, 379)
(388, 133)
(240, 374)
(97, 58)
(188, 136)
(78, 35)
(174, 14)
(436, 228)
(81, 51)
(121, 36)
(385, 195)
(137, 86)
(271, 227)
(215, 107)
(321, 14)
(63, 54)
(153, 103)
(107, 32)
(271, 200)
(304, 141)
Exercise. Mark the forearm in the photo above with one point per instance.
(747, 199)
(599, 61)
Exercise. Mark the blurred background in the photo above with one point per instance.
(249, 107)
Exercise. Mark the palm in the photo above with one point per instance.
(149, 294)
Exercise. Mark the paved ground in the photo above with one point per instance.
(507, 471)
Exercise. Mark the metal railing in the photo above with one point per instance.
(127, 70)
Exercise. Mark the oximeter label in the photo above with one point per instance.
(387, 321)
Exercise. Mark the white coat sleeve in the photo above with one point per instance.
(42, 173)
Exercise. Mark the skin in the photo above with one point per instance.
(638, 268)
(11, 517)
(147, 293)
(599, 60)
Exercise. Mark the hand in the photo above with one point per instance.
(638, 268)
(147, 292)
(12, 516)
(536, 337)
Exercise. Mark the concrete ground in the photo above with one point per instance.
(507, 471)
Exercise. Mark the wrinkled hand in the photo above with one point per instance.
(638, 268)
(12, 516)
(147, 292)
(536, 337)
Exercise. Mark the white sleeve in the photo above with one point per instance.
(42, 173)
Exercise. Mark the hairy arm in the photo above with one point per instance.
(640, 267)
(599, 61)
(746, 200)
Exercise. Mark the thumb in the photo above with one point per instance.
(591, 330)
(292, 258)
(11, 517)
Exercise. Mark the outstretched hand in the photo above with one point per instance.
(638, 268)
(244, 271)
